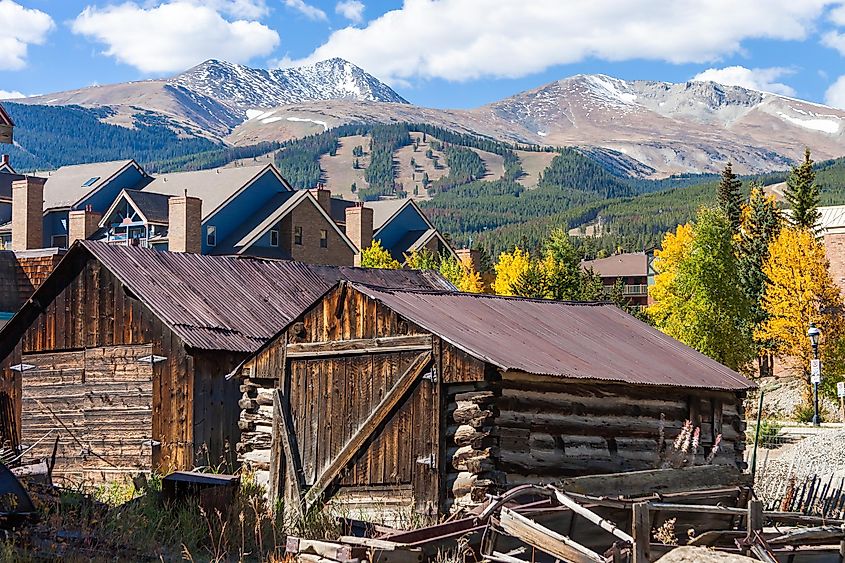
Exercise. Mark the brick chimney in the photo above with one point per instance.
(359, 228)
(474, 257)
(82, 223)
(28, 213)
(324, 198)
(184, 231)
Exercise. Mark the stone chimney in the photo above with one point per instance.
(474, 257)
(324, 198)
(359, 228)
(82, 223)
(28, 213)
(184, 231)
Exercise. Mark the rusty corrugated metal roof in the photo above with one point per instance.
(593, 341)
(234, 304)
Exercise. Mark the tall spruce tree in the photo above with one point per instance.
(761, 225)
(730, 196)
(802, 194)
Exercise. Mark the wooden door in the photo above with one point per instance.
(362, 422)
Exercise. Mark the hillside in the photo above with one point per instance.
(642, 128)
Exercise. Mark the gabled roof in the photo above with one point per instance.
(285, 206)
(215, 186)
(153, 208)
(591, 341)
(5, 119)
(68, 185)
(385, 210)
(216, 302)
(619, 265)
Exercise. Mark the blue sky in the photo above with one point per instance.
(440, 53)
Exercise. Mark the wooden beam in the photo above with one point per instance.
(641, 530)
(293, 463)
(546, 540)
(367, 430)
(412, 343)
(606, 525)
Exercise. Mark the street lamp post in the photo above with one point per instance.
(815, 371)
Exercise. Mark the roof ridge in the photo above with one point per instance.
(479, 295)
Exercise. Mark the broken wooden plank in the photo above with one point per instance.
(591, 516)
(546, 540)
(808, 535)
(638, 483)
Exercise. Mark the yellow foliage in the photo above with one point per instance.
(509, 268)
(666, 261)
(375, 256)
(800, 290)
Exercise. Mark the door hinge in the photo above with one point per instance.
(153, 359)
(431, 375)
(428, 460)
(21, 367)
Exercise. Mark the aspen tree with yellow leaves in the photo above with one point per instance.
(510, 267)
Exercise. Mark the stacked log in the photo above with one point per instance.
(475, 446)
(256, 425)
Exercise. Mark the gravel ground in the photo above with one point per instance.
(702, 555)
(822, 455)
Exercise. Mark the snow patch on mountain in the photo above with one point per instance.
(305, 120)
(823, 125)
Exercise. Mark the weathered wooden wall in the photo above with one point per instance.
(98, 403)
(332, 394)
(549, 428)
(215, 410)
(88, 308)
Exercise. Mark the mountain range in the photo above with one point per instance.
(644, 128)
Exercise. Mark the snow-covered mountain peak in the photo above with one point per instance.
(242, 87)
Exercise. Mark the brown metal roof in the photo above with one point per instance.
(229, 303)
(619, 265)
(592, 341)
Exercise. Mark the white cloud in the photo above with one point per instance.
(11, 95)
(249, 9)
(837, 15)
(763, 79)
(307, 10)
(835, 95)
(834, 40)
(353, 10)
(173, 36)
(20, 27)
(466, 39)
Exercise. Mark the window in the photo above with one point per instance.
(297, 235)
(59, 241)
(90, 182)
(211, 235)
(324, 238)
(274, 238)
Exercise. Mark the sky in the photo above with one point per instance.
(436, 53)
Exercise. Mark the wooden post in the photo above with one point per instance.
(755, 517)
(641, 531)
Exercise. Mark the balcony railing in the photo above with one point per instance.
(635, 290)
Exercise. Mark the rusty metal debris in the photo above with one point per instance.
(535, 523)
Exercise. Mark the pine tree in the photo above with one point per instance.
(760, 226)
(730, 196)
(802, 194)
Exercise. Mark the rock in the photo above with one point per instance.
(703, 555)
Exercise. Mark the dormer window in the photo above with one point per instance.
(90, 182)
(211, 235)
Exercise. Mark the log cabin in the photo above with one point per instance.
(379, 399)
(122, 352)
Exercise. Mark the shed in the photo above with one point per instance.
(123, 352)
(380, 398)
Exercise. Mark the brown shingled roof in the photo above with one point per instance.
(619, 265)
(593, 341)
